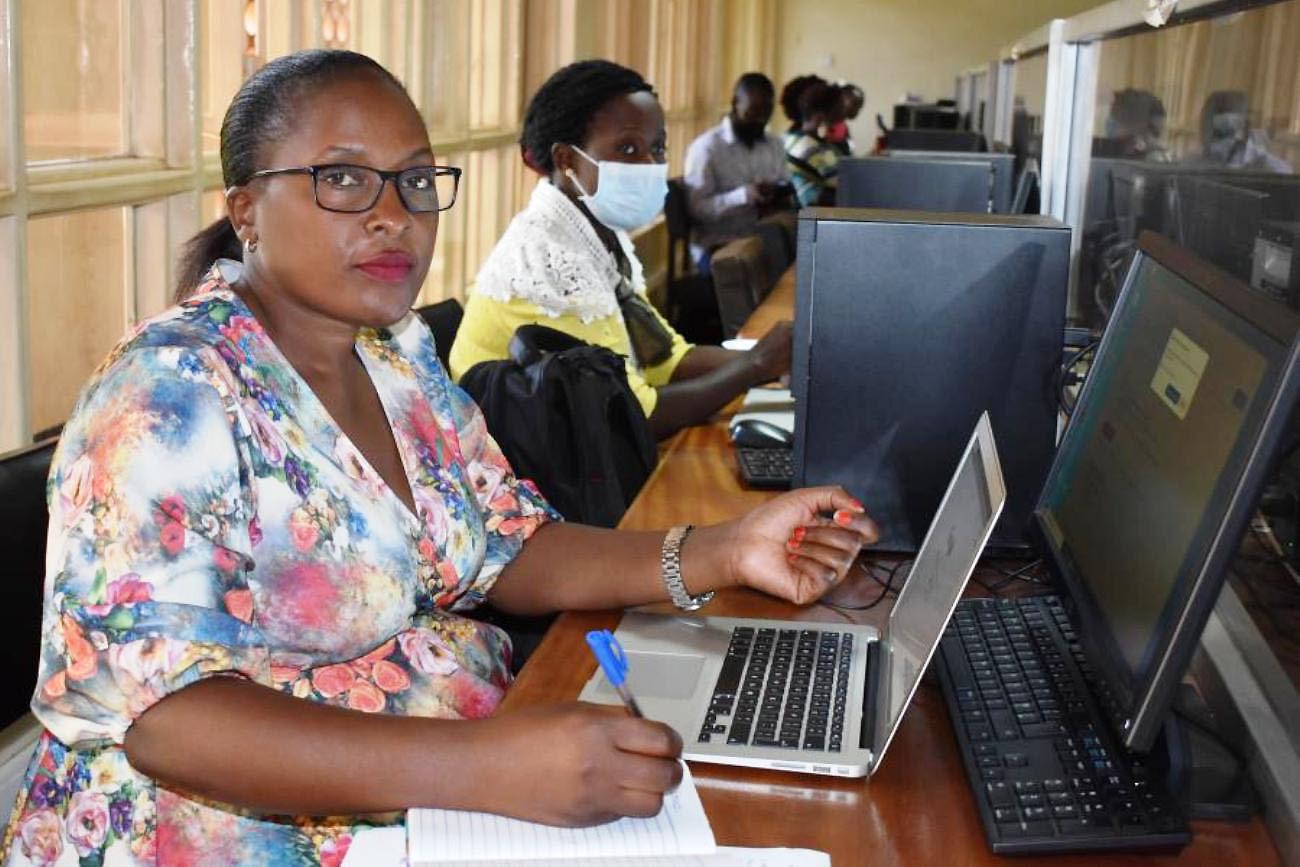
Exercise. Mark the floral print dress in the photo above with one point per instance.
(208, 517)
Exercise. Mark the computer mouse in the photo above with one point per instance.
(754, 433)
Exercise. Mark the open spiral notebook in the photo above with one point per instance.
(678, 835)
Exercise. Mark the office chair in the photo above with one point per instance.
(776, 253)
(24, 521)
(741, 280)
(443, 320)
(692, 308)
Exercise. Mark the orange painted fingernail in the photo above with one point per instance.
(793, 544)
(857, 504)
(799, 533)
(843, 517)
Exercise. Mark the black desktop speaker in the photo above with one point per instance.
(908, 325)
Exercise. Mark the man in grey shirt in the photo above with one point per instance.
(735, 172)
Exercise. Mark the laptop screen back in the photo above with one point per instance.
(938, 576)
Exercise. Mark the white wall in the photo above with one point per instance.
(889, 47)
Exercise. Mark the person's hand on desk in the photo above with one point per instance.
(789, 548)
(581, 764)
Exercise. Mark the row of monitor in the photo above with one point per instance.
(1242, 222)
(909, 325)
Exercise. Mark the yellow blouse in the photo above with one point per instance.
(485, 333)
(550, 268)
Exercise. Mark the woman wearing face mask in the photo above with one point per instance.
(811, 156)
(595, 132)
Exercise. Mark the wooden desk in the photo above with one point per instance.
(917, 810)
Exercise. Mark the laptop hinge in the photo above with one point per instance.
(870, 696)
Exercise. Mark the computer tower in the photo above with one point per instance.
(908, 325)
(1275, 268)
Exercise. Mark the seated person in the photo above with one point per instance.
(838, 134)
(813, 159)
(1135, 127)
(595, 131)
(735, 172)
(1228, 140)
(790, 95)
(271, 514)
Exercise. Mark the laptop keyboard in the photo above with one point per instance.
(1046, 774)
(766, 468)
(783, 688)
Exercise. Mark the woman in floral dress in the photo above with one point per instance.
(271, 510)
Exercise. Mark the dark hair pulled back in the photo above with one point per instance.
(261, 112)
(562, 108)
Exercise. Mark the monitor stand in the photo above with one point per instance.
(1199, 764)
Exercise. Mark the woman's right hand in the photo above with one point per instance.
(579, 764)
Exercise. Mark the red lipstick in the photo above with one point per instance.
(391, 266)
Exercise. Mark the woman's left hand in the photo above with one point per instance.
(790, 548)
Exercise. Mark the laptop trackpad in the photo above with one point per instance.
(658, 675)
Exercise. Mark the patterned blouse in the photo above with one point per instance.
(208, 517)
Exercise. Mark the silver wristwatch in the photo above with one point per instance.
(670, 561)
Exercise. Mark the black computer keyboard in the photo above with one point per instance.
(766, 468)
(781, 688)
(1046, 774)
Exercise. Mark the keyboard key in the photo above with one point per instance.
(999, 795)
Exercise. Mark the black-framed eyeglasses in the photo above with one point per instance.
(351, 189)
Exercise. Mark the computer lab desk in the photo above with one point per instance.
(917, 810)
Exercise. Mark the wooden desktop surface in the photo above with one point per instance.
(918, 809)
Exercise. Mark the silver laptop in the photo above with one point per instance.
(813, 697)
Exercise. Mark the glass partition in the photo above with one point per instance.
(1196, 135)
(1028, 102)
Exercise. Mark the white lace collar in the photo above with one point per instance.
(551, 256)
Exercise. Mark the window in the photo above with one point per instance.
(76, 305)
(73, 110)
(1195, 135)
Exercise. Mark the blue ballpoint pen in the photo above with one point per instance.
(613, 661)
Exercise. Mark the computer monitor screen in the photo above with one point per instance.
(938, 185)
(1002, 165)
(1160, 468)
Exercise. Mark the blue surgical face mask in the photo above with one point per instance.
(628, 195)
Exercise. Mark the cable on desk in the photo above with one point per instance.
(885, 586)
(1024, 573)
(1066, 376)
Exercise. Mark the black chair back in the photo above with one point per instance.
(443, 320)
(24, 521)
(677, 219)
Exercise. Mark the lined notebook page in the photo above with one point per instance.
(452, 836)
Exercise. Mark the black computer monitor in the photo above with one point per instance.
(894, 183)
(1002, 192)
(957, 140)
(1217, 220)
(1138, 197)
(909, 325)
(1160, 469)
(1028, 195)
